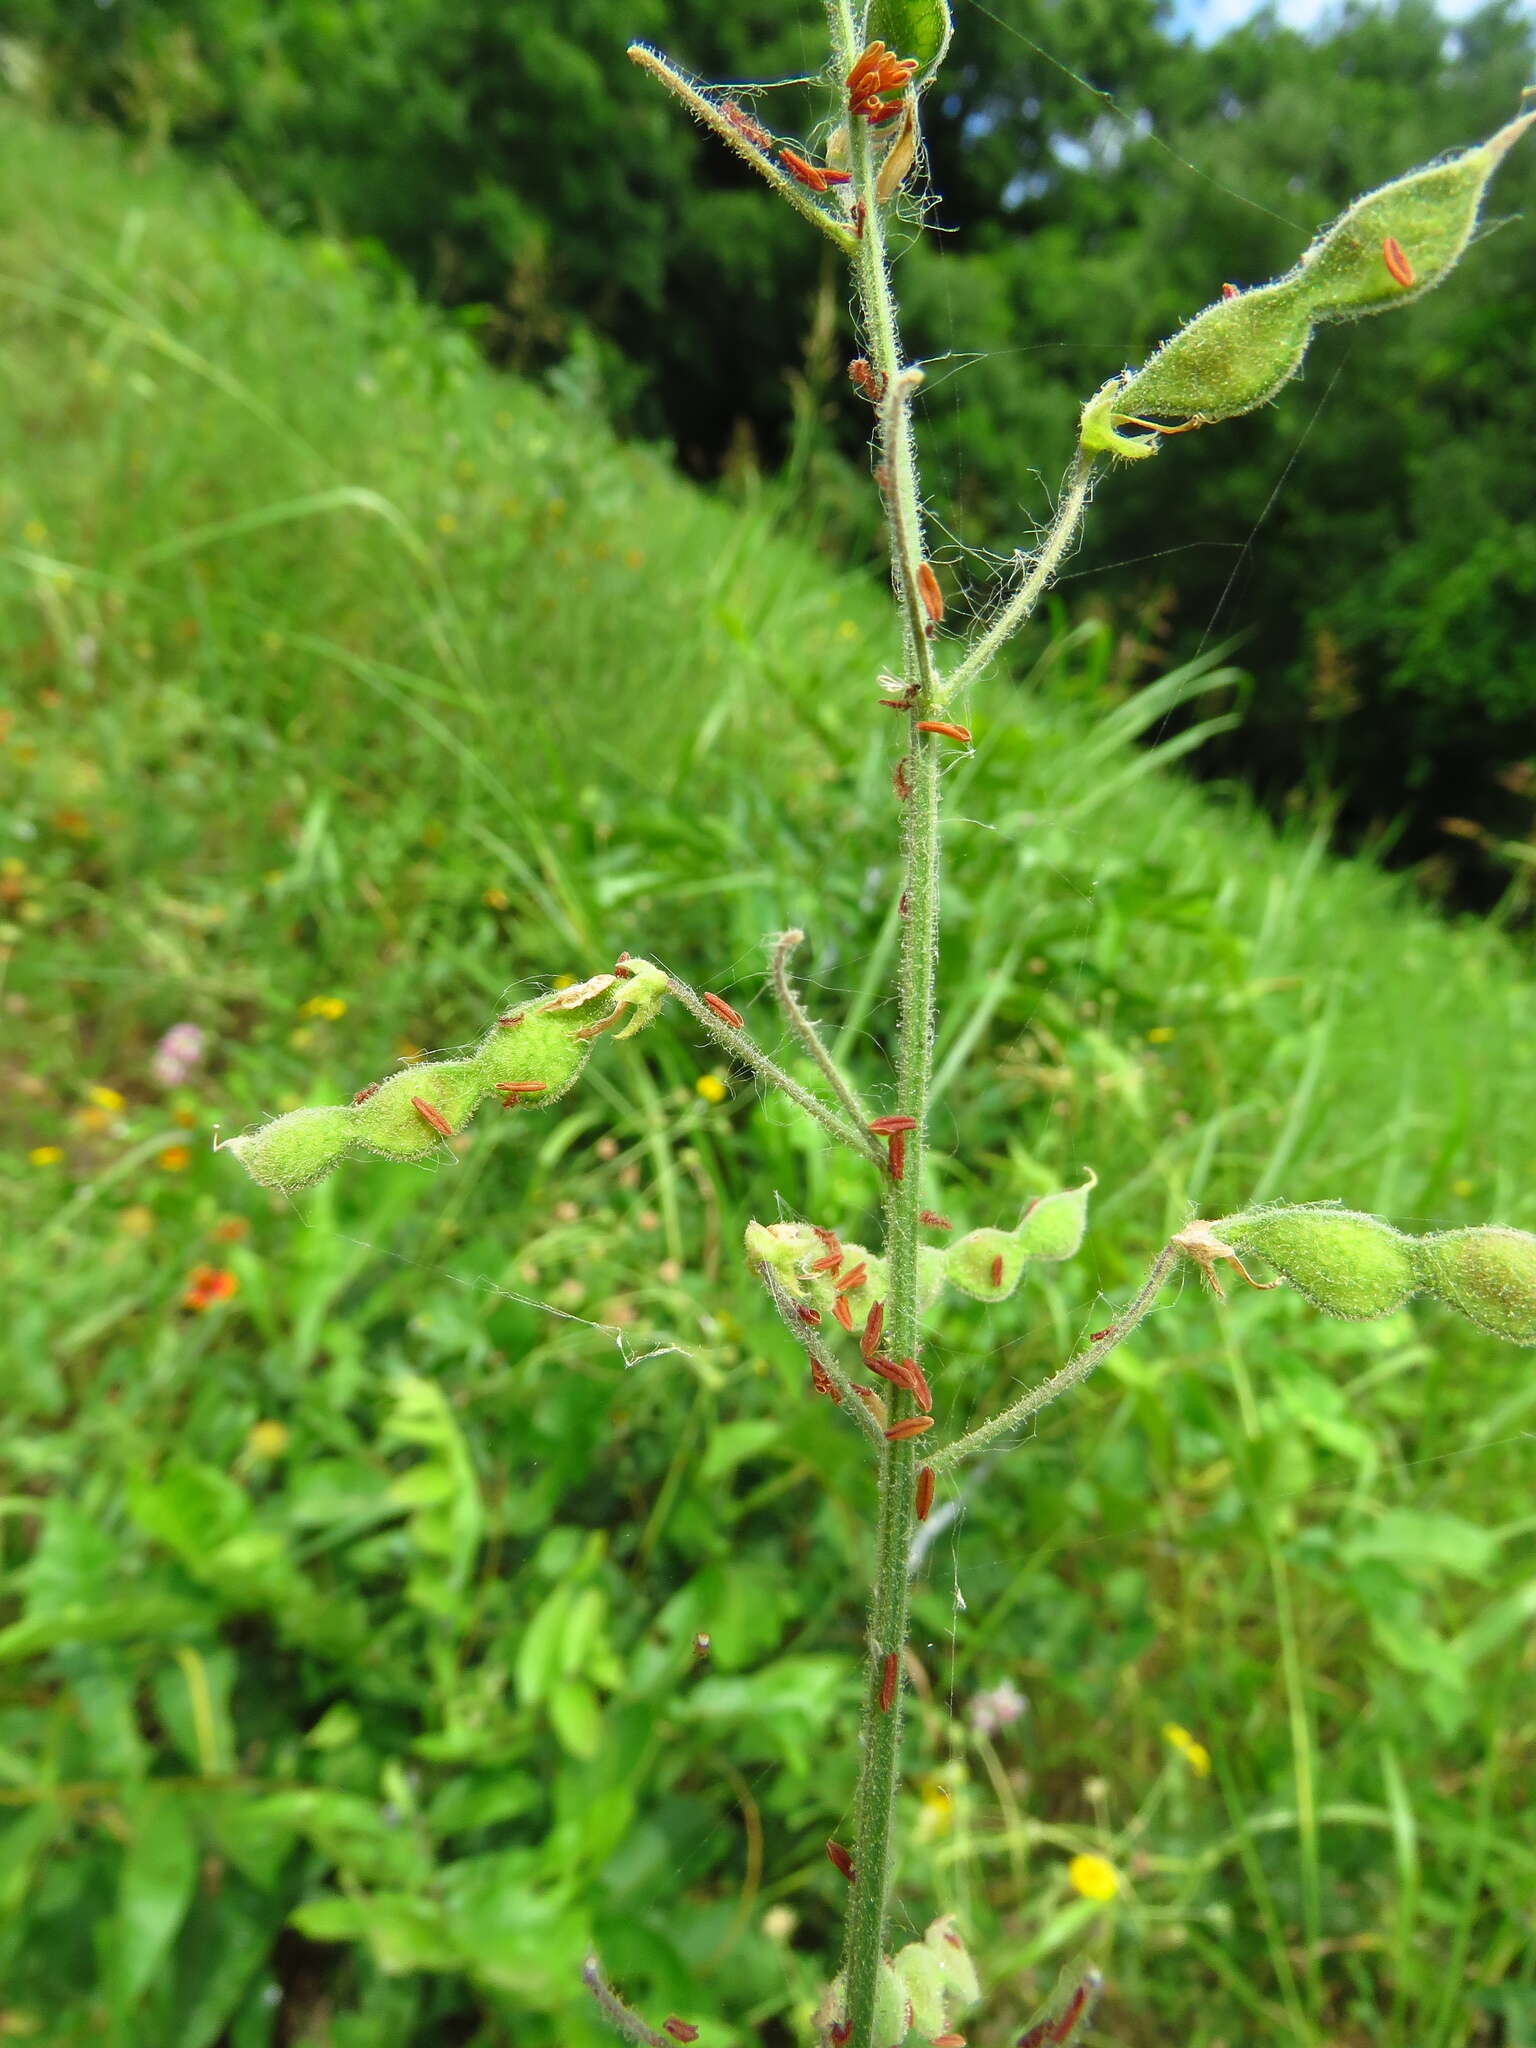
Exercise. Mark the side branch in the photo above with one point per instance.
(616, 2012)
(803, 1028)
(1039, 569)
(732, 1038)
(852, 1396)
(1072, 1374)
(703, 109)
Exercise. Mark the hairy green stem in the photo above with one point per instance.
(881, 1729)
(1072, 1374)
(1038, 570)
(735, 1041)
(852, 1401)
(616, 2012)
(805, 1030)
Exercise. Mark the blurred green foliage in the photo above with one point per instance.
(353, 1552)
(1368, 536)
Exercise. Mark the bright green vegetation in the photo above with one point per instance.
(347, 1672)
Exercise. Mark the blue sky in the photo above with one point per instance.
(1209, 17)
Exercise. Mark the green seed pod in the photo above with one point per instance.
(1401, 240)
(528, 1058)
(1229, 359)
(1388, 248)
(389, 1122)
(962, 1987)
(296, 1150)
(922, 1978)
(893, 2009)
(987, 1264)
(1489, 1274)
(1345, 1264)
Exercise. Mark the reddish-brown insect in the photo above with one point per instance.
(928, 590)
(829, 1264)
(821, 1383)
(888, 1126)
(997, 1270)
(621, 972)
(1098, 1336)
(840, 1860)
(745, 125)
(1397, 263)
(896, 1146)
(842, 1313)
(432, 1116)
(1229, 291)
(874, 1323)
(854, 1277)
(913, 1426)
(511, 1020)
(935, 1221)
(828, 1237)
(877, 72)
(867, 381)
(899, 781)
(888, 1682)
(363, 1094)
(918, 1382)
(962, 733)
(924, 1492)
(902, 905)
(838, 2032)
(511, 1092)
(812, 176)
(807, 1314)
(681, 2030)
(887, 1371)
(723, 1010)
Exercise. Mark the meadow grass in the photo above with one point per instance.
(346, 1676)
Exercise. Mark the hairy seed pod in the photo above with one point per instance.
(962, 1987)
(296, 1150)
(1389, 247)
(532, 1059)
(987, 1264)
(922, 1978)
(1489, 1274)
(1345, 1264)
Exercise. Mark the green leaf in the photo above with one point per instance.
(577, 1717)
(155, 1886)
(402, 1932)
(1420, 1544)
(912, 28)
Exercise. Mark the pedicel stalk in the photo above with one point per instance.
(857, 1310)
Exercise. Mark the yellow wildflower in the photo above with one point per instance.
(711, 1087)
(1160, 1034)
(175, 1159)
(495, 899)
(1194, 1753)
(105, 1098)
(1094, 1877)
(267, 1439)
(46, 1155)
(1462, 1188)
(329, 1007)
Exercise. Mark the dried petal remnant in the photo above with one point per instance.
(1397, 263)
(924, 1492)
(723, 1010)
(840, 1860)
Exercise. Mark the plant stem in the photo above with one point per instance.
(853, 1403)
(803, 1028)
(1041, 567)
(1072, 1374)
(874, 1807)
(740, 1047)
(616, 2012)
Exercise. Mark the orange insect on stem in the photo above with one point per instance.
(888, 1670)
(433, 1116)
(723, 1010)
(924, 1492)
(914, 1425)
(961, 733)
(928, 590)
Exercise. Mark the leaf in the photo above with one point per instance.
(402, 1932)
(155, 1887)
(577, 1717)
(912, 28)
(1420, 1544)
